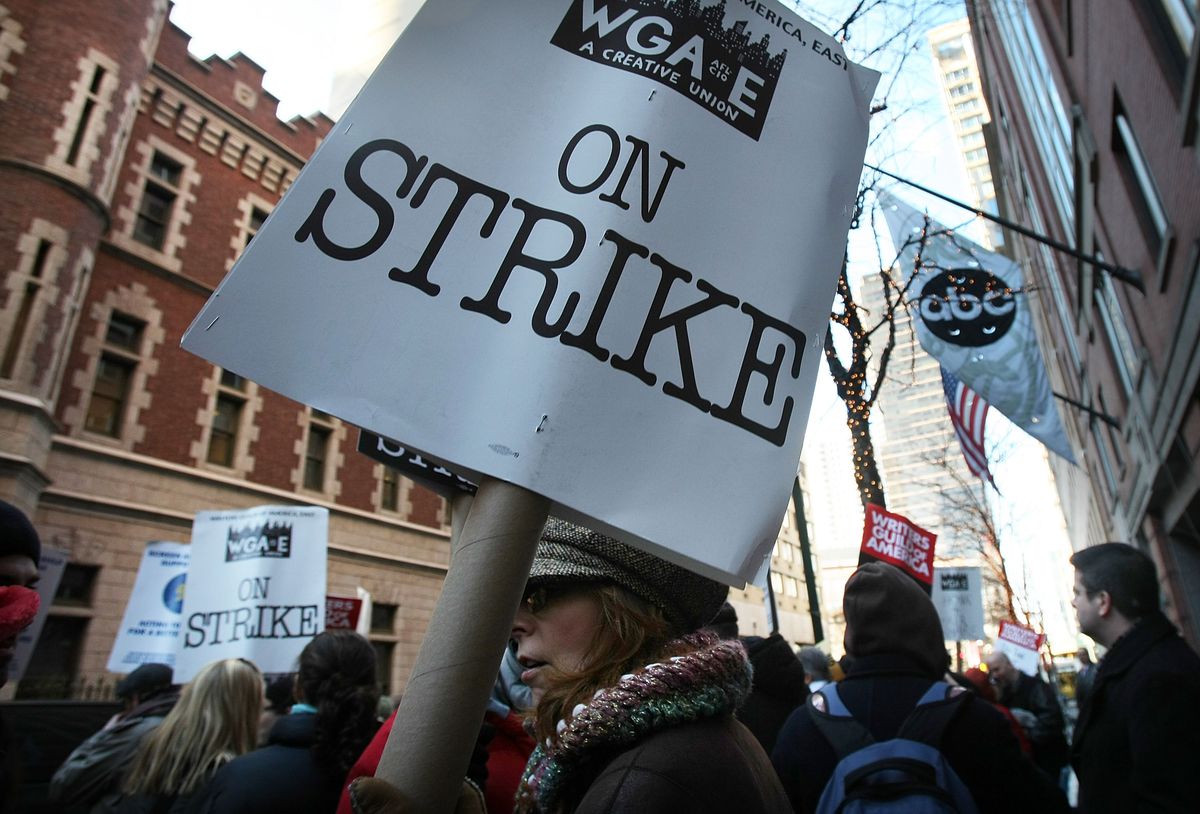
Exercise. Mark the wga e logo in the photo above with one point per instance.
(684, 46)
(264, 540)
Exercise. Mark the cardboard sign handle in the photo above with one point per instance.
(438, 721)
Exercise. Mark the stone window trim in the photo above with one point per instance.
(247, 431)
(181, 213)
(404, 507)
(85, 117)
(332, 487)
(10, 44)
(258, 158)
(33, 288)
(243, 227)
(134, 301)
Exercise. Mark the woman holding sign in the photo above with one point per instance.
(633, 705)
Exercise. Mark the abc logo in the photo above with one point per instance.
(968, 307)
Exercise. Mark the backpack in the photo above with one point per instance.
(905, 774)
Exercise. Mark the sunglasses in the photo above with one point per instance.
(536, 600)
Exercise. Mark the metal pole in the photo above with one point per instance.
(810, 573)
(1123, 274)
(1105, 417)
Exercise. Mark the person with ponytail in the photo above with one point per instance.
(310, 750)
(214, 721)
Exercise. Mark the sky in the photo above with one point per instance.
(300, 43)
(296, 41)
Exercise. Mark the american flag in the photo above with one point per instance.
(968, 414)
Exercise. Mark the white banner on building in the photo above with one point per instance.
(958, 597)
(256, 587)
(584, 246)
(149, 631)
(50, 570)
(973, 315)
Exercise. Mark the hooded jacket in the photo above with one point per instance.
(896, 650)
(777, 690)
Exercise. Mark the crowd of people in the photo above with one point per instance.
(627, 688)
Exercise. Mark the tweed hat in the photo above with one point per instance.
(17, 535)
(571, 553)
(888, 613)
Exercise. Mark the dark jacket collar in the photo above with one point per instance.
(1129, 649)
(298, 729)
(886, 664)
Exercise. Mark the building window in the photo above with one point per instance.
(77, 585)
(118, 361)
(1181, 16)
(316, 456)
(158, 200)
(776, 582)
(389, 497)
(1151, 212)
(227, 419)
(257, 218)
(33, 287)
(384, 651)
(1116, 330)
(90, 102)
(383, 617)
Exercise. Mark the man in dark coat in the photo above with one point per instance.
(1035, 706)
(896, 651)
(1138, 733)
(90, 778)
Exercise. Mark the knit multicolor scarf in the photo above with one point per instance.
(713, 679)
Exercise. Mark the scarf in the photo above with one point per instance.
(711, 680)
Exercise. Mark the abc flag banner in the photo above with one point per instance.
(968, 414)
(256, 587)
(1021, 645)
(894, 539)
(973, 316)
(586, 247)
(149, 630)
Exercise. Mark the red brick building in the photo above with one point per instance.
(131, 176)
(1094, 142)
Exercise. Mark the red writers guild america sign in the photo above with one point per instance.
(894, 539)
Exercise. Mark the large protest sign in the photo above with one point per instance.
(894, 539)
(414, 464)
(256, 587)
(150, 628)
(1021, 645)
(50, 570)
(586, 247)
(958, 597)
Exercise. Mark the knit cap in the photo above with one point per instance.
(145, 681)
(17, 535)
(571, 553)
(888, 613)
